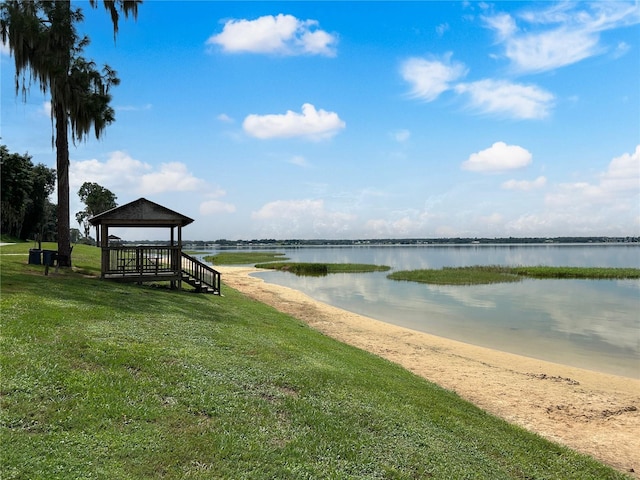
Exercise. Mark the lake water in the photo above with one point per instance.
(593, 324)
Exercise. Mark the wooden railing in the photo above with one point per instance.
(140, 260)
(202, 273)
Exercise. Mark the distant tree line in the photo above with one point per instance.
(26, 212)
(266, 242)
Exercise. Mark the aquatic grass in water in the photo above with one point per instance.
(482, 275)
(321, 269)
(243, 258)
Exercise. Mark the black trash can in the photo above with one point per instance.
(34, 256)
(48, 257)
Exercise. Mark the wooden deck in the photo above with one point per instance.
(158, 264)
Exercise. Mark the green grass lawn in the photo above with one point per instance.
(119, 381)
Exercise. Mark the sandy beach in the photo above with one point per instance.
(593, 413)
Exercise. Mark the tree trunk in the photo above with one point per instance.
(62, 170)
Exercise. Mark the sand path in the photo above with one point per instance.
(591, 412)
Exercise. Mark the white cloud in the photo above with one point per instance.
(615, 190)
(307, 218)
(408, 223)
(621, 49)
(122, 173)
(561, 34)
(404, 226)
(172, 177)
(134, 108)
(500, 157)
(525, 185)
(299, 160)
(623, 174)
(46, 109)
(503, 24)
(494, 219)
(550, 50)
(430, 78)
(401, 136)
(311, 123)
(119, 172)
(442, 29)
(618, 186)
(4, 49)
(505, 98)
(223, 117)
(281, 34)
(213, 207)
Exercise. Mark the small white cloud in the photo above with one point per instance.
(299, 160)
(223, 117)
(4, 49)
(172, 177)
(500, 157)
(401, 136)
(281, 34)
(311, 123)
(430, 78)
(525, 185)
(621, 49)
(442, 29)
(506, 98)
(493, 219)
(503, 24)
(134, 108)
(45, 110)
(213, 207)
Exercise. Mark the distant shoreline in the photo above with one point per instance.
(403, 242)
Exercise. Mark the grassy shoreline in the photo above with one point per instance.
(479, 275)
(303, 268)
(114, 381)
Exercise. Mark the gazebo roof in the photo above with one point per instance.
(141, 213)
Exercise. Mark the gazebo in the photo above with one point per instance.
(150, 263)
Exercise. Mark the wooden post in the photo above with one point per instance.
(179, 257)
(104, 243)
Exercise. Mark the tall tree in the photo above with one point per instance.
(97, 199)
(47, 49)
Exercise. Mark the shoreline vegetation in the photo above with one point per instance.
(480, 275)
(277, 261)
(110, 380)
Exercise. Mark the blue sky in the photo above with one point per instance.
(363, 119)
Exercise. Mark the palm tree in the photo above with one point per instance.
(47, 49)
